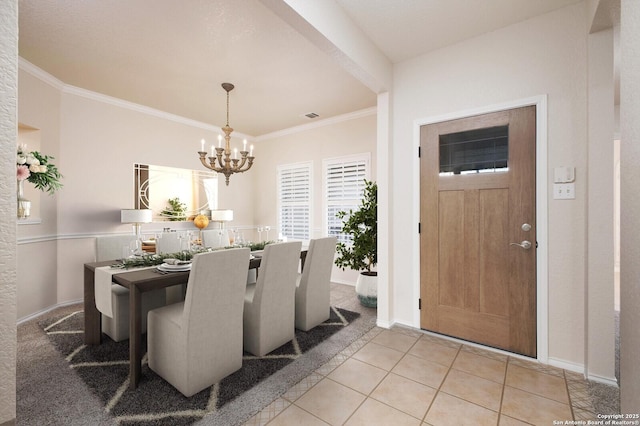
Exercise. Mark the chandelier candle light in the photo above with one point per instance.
(227, 165)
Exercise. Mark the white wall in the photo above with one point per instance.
(543, 55)
(630, 205)
(599, 310)
(8, 258)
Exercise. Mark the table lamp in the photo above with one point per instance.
(221, 216)
(136, 217)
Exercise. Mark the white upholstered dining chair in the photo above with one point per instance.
(168, 242)
(110, 247)
(215, 238)
(313, 285)
(269, 305)
(196, 343)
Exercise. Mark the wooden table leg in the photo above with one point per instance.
(135, 336)
(92, 317)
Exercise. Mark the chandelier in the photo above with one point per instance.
(225, 163)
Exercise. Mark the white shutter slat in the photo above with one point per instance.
(344, 187)
(294, 202)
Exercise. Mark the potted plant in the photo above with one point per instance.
(361, 254)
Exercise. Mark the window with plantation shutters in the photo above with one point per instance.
(294, 200)
(343, 185)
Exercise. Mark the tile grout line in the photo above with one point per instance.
(566, 386)
(363, 341)
(387, 374)
(424, 419)
(326, 377)
(504, 385)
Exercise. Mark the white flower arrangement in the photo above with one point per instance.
(37, 169)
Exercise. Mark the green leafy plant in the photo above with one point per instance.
(259, 246)
(156, 259)
(361, 254)
(176, 210)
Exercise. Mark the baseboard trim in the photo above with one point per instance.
(566, 365)
(609, 381)
(44, 311)
(384, 324)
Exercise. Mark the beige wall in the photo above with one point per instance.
(8, 258)
(102, 139)
(543, 55)
(39, 108)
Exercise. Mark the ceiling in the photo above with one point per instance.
(173, 55)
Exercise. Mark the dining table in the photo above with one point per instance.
(138, 281)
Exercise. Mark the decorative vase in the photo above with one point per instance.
(367, 289)
(24, 205)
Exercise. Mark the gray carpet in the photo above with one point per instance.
(105, 370)
(49, 393)
(606, 399)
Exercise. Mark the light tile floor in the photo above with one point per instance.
(408, 377)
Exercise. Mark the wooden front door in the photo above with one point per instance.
(478, 237)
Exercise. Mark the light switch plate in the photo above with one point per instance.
(564, 174)
(564, 191)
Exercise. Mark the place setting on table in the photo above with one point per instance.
(173, 265)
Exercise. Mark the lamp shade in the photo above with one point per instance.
(136, 216)
(221, 215)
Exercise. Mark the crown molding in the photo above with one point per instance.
(39, 73)
(110, 100)
(316, 124)
(121, 103)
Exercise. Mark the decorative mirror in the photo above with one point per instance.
(174, 194)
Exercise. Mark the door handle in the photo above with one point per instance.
(526, 245)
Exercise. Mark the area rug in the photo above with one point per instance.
(105, 368)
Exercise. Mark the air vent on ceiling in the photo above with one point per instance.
(311, 115)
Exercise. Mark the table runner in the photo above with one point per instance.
(102, 283)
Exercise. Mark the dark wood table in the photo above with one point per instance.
(137, 281)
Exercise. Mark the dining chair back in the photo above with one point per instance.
(313, 286)
(215, 238)
(196, 343)
(111, 247)
(269, 306)
(169, 242)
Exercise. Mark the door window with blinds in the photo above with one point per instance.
(294, 200)
(344, 186)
